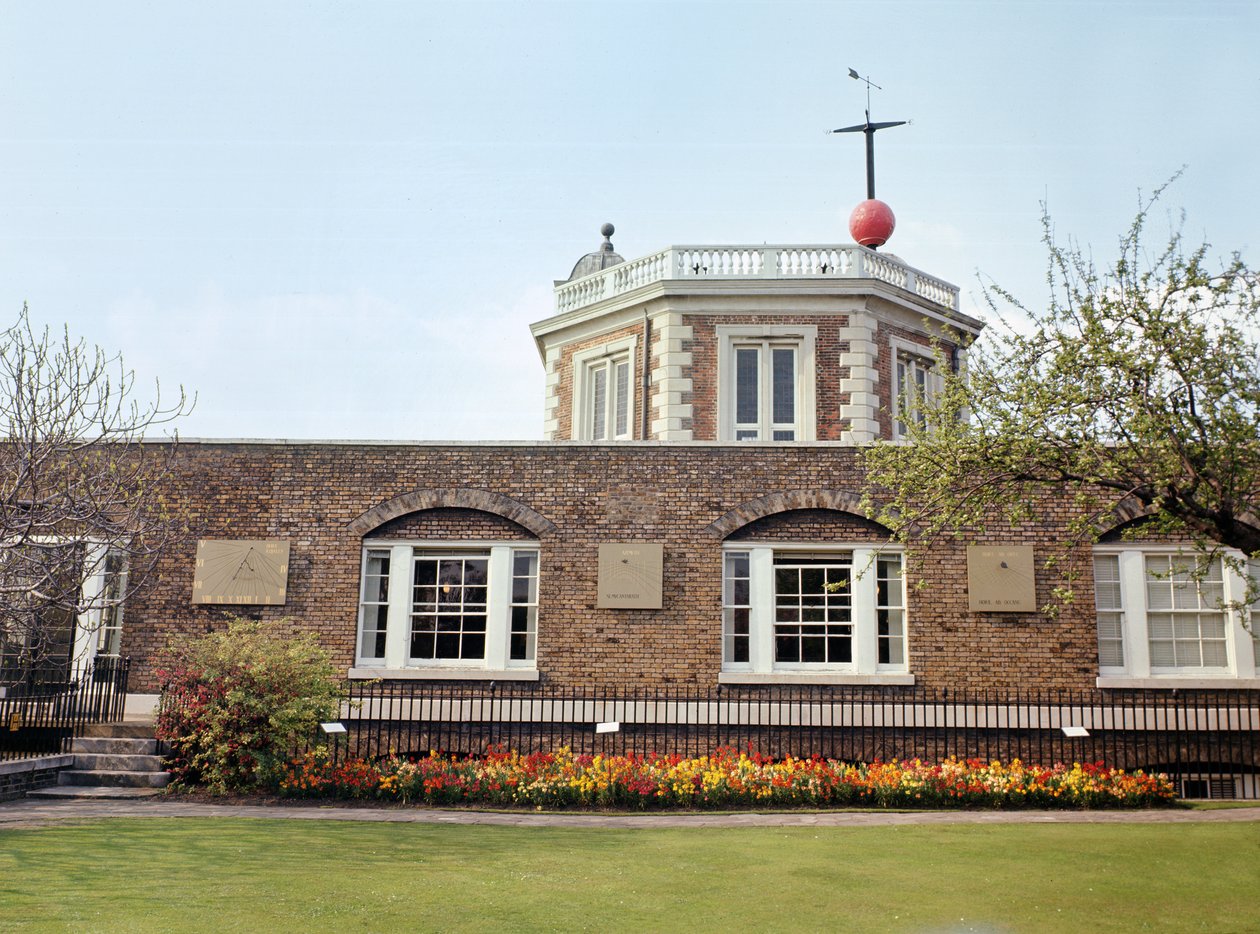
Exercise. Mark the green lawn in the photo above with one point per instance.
(162, 874)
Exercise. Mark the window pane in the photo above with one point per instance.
(890, 613)
(448, 614)
(113, 590)
(1107, 582)
(888, 581)
(1214, 654)
(523, 625)
(911, 389)
(374, 605)
(1160, 625)
(473, 645)
(599, 403)
(891, 639)
(813, 609)
(1185, 617)
(622, 402)
(784, 361)
(518, 646)
(735, 613)
(1109, 611)
(476, 570)
(747, 379)
(1253, 615)
(521, 589)
(786, 648)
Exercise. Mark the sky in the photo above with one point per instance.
(337, 220)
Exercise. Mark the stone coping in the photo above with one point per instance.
(18, 766)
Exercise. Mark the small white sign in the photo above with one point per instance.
(1075, 731)
(612, 726)
(333, 727)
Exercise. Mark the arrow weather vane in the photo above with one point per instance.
(869, 129)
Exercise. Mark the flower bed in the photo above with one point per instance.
(726, 779)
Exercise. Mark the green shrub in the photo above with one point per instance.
(235, 704)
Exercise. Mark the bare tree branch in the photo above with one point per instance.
(78, 487)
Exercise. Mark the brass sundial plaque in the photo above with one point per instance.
(241, 573)
(630, 576)
(1000, 579)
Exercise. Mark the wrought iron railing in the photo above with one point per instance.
(41, 712)
(1207, 741)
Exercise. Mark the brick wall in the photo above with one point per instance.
(310, 494)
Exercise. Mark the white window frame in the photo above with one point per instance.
(1240, 669)
(803, 339)
(865, 668)
(606, 357)
(497, 661)
(1253, 613)
(109, 620)
(92, 626)
(917, 358)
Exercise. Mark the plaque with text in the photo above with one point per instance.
(630, 576)
(241, 573)
(1000, 579)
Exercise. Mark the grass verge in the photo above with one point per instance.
(164, 874)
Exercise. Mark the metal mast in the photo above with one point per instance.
(869, 129)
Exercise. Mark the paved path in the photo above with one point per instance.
(29, 812)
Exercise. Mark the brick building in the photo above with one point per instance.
(692, 519)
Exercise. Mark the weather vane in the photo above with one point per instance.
(869, 129)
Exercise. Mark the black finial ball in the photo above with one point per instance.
(607, 230)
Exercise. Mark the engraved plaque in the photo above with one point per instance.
(630, 576)
(1000, 579)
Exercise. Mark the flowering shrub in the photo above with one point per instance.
(724, 780)
(236, 703)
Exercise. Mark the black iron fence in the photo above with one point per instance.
(41, 712)
(1207, 741)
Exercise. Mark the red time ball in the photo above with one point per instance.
(872, 223)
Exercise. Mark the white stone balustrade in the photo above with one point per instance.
(843, 261)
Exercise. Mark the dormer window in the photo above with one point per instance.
(766, 390)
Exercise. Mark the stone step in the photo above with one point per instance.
(119, 730)
(114, 778)
(116, 762)
(114, 746)
(93, 791)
